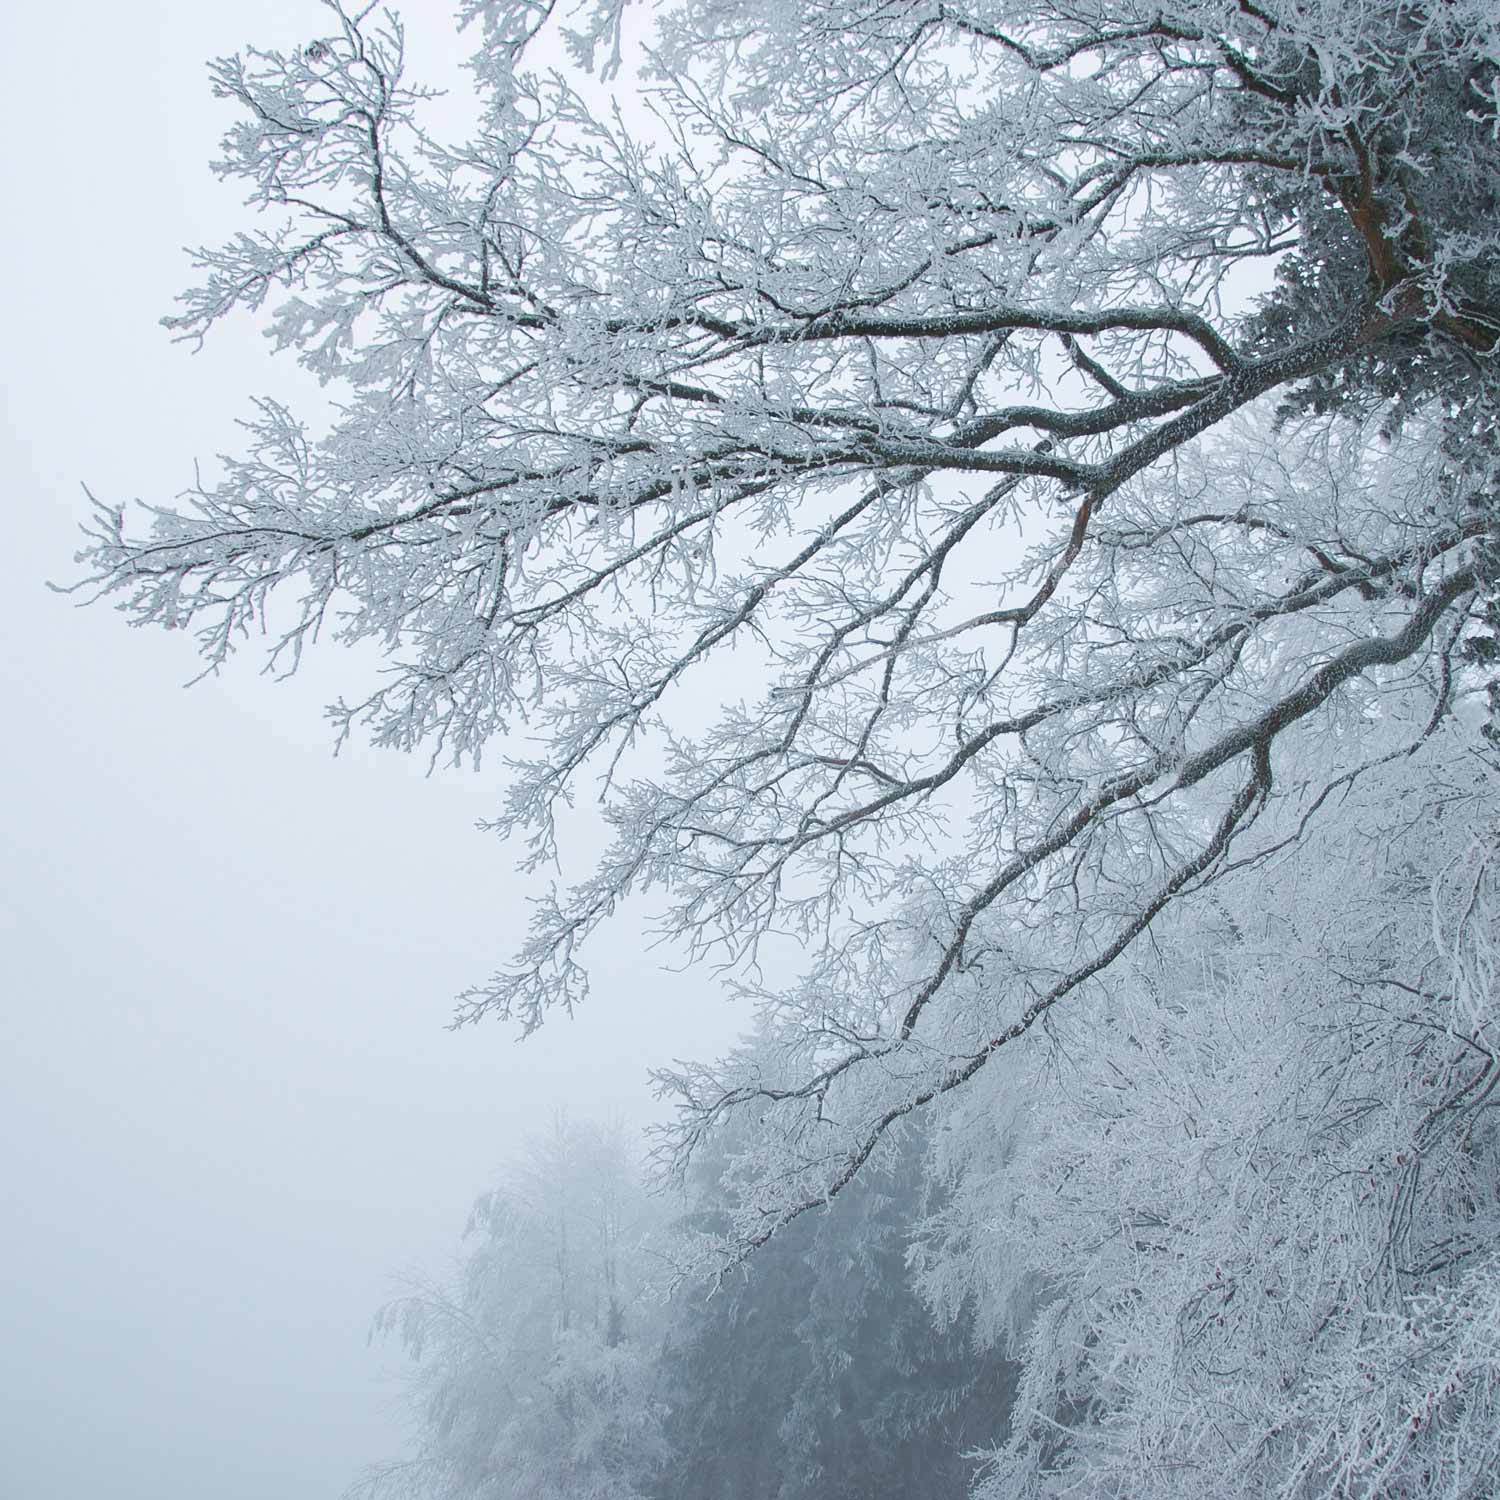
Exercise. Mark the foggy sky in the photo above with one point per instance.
(229, 1109)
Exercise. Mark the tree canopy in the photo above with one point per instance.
(1053, 439)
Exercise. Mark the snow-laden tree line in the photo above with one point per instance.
(1000, 498)
(1234, 1231)
(568, 1359)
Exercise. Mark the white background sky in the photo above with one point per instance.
(229, 1110)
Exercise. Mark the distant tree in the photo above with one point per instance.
(570, 1358)
(1052, 434)
(533, 1370)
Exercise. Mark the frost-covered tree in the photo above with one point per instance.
(1051, 433)
(817, 1371)
(533, 1367)
(569, 1357)
(1243, 1219)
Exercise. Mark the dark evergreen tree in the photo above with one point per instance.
(818, 1370)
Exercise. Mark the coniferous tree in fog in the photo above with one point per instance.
(819, 1370)
(532, 1369)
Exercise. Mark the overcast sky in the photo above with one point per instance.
(229, 1110)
